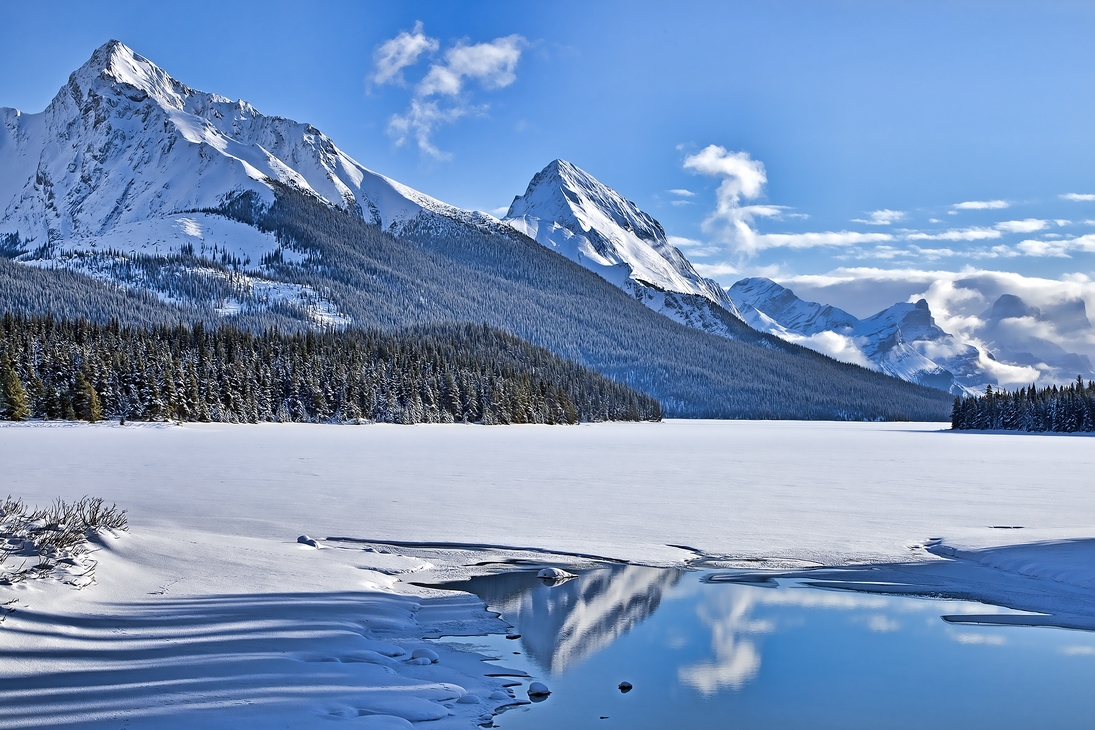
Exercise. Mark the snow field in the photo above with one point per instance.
(825, 492)
(181, 628)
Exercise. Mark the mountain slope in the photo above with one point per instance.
(179, 193)
(569, 211)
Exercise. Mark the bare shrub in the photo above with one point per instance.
(59, 532)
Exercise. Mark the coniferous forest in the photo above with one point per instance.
(78, 370)
(1068, 408)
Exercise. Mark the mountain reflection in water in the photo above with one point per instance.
(562, 623)
(724, 649)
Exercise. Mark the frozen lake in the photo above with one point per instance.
(814, 491)
(706, 654)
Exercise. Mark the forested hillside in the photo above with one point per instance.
(54, 369)
(1067, 409)
(440, 269)
(434, 269)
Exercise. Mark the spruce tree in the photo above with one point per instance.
(13, 396)
(85, 401)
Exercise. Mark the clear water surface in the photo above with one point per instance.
(772, 654)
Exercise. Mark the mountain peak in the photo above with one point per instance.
(1009, 306)
(116, 68)
(570, 211)
(566, 194)
(570, 174)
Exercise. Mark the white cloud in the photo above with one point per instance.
(680, 202)
(882, 624)
(396, 54)
(731, 223)
(492, 64)
(441, 96)
(421, 120)
(955, 234)
(743, 176)
(1030, 225)
(713, 271)
(682, 242)
(1079, 650)
(682, 193)
(982, 205)
(835, 345)
(882, 217)
(813, 240)
(1079, 197)
(1057, 248)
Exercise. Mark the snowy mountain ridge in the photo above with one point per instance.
(125, 158)
(135, 144)
(903, 340)
(569, 211)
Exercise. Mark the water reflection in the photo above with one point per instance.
(561, 623)
(727, 615)
(715, 650)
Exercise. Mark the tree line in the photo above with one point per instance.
(1068, 408)
(80, 370)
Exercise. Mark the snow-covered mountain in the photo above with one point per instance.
(783, 312)
(123, 143)
(125, 159)
(903, 340)
(571, 212)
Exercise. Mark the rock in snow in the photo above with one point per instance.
(538, 689)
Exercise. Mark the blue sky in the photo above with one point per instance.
(843, 136)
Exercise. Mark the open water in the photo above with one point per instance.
(718, 649)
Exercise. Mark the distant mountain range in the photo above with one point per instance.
(137, 198)
(904, 341)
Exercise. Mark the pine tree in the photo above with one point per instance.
(13, 396)
(85, 401)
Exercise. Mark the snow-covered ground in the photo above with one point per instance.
(209, 607)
